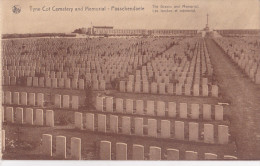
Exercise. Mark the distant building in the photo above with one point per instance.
(110, 31)
(238, 32)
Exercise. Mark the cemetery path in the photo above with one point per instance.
(244, 97)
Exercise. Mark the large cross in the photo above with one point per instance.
(207, 18)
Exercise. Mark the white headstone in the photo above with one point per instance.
(119, 105)
(113, 123)
(172, 109)
(16, 99)
(179, 130)
(161, 88)
(19, 115)
(178, 89)
(32, 99)
(109, 104)
(228, 157)
(170, 88)
(57, 100)
(138, 152)
(9, 114)
(23, 98)
(129, 86)
(54, 83)
(39, 117)
(191, 155)
(126, 125)
(196, 90)
(50, 118)
(40, 99)
(152, 127)
(121, 151)
(129, 106)
(139, 107)
(165, 129)
(193, 131)
(173, 154)
(105, 150)
(210, 156)
(150, 107)
(183, 110)
(75, 102)
(8, 97)
(195, 112)
(100, 103)
(29, 116)
(61, 147)
(66, 101)
(139, 126)
(160, 108)
(47, 144)
(90, 121)
(75, 148)
(223, 134)
(102, 124)
(208, 133)
(205, 91)
(206, 111)
(154, 88)
(155, 153)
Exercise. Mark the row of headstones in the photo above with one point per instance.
(17, 72)
(126, 106)
(65, 83)
(52, 74)
(167, 68)
(183, 67)
(155, 153)
(18, 116)
(202, 63)
(246, 62)
(74, 53)
(10, 79)
(48, 71)
(137, 153)
(7, 80)
(56, 83)
(21, 98)
(252, 71)
(162, 88)
(64, 102)
(60, 147)
(170, 78)
(41, 58)
(96, 45)
(30, 70)
(183, 73)
(75, 59)
(155, 128)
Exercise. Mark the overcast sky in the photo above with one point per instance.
(223, 14)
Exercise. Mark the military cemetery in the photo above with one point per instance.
(132, 95)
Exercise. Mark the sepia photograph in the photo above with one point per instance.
(130, 80)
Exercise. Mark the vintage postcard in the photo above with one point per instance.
(130, 80)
